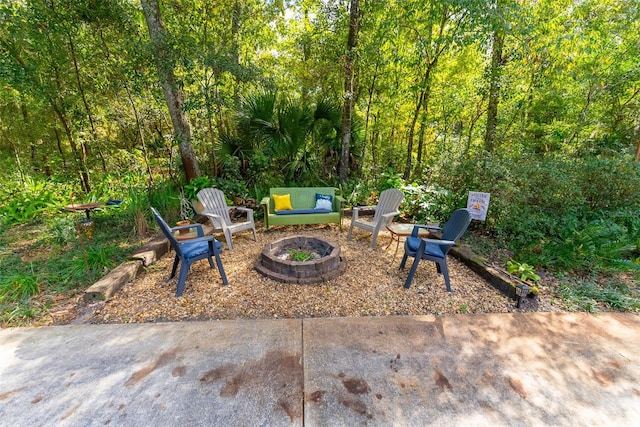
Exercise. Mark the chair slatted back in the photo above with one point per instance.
(213, 201)
(456, 225)
(166, 230)
(389, 201)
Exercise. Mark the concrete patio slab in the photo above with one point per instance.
(480, 370)
(524, 369)
(190, 374)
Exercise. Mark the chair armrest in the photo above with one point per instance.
(340, 201)
(390, 215)
(363, 207)
(198, 239)
(217, 220)
(439, 242)
(356, 211)
(267, 202)
(249, 211)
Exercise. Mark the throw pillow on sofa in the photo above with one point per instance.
(324, 201)
(282, 202)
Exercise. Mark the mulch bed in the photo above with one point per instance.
(372, 285)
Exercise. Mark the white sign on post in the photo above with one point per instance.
(478, 205)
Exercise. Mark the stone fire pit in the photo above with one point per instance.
(326, 264)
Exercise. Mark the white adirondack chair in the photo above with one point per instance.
(215, 208)
(385, 210)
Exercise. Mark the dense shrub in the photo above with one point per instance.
(564, 213)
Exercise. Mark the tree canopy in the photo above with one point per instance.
(80, 83)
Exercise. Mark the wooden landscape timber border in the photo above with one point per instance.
(496, 278)
(113, 281)
(152, 251)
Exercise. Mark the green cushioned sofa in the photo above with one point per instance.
(302, 198)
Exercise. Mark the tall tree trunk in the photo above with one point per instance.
(236, 20)
(35, 164)
(59, 144)
(371, 90)
(374, 139)
(423, 125)
(79, 156)
(637, 132)
(350, 85)
(494, 90)
(434, 50)
(172, 94)
(140, 133)
(94, 133)
(412, 130)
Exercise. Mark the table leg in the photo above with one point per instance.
(397, 244)
(390, 241)
(394, 237)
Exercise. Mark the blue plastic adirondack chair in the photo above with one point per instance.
(435, 249)
(190, 251)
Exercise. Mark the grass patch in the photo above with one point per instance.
(592, 297)
(47, 257)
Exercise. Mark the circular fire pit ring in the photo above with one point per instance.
(276, 264)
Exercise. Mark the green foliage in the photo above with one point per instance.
(17, 313)
(191, 189)
(62, 230)
(29, 200)
(300, 256)
(285, 139)
(424, 203)
(19, 286)
(231, 187)
(523, 271)
(164, 196)
(546, 208)
(355, 193)
(390, 179)
(591, 297)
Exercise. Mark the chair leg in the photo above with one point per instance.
(255, 238)
(221, 270)
(176, 260)
(182, 278)
(412, 272)
(350, 230)
(374, 237)
(227, 237)
(442, 266)
(404, 261)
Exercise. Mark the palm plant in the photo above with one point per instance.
(294, 136)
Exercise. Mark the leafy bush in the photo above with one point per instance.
(563, 213)
(231, 187)
(191, 189)
(424, 203)
(30, 200)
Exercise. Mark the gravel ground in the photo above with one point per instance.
(372, 285)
